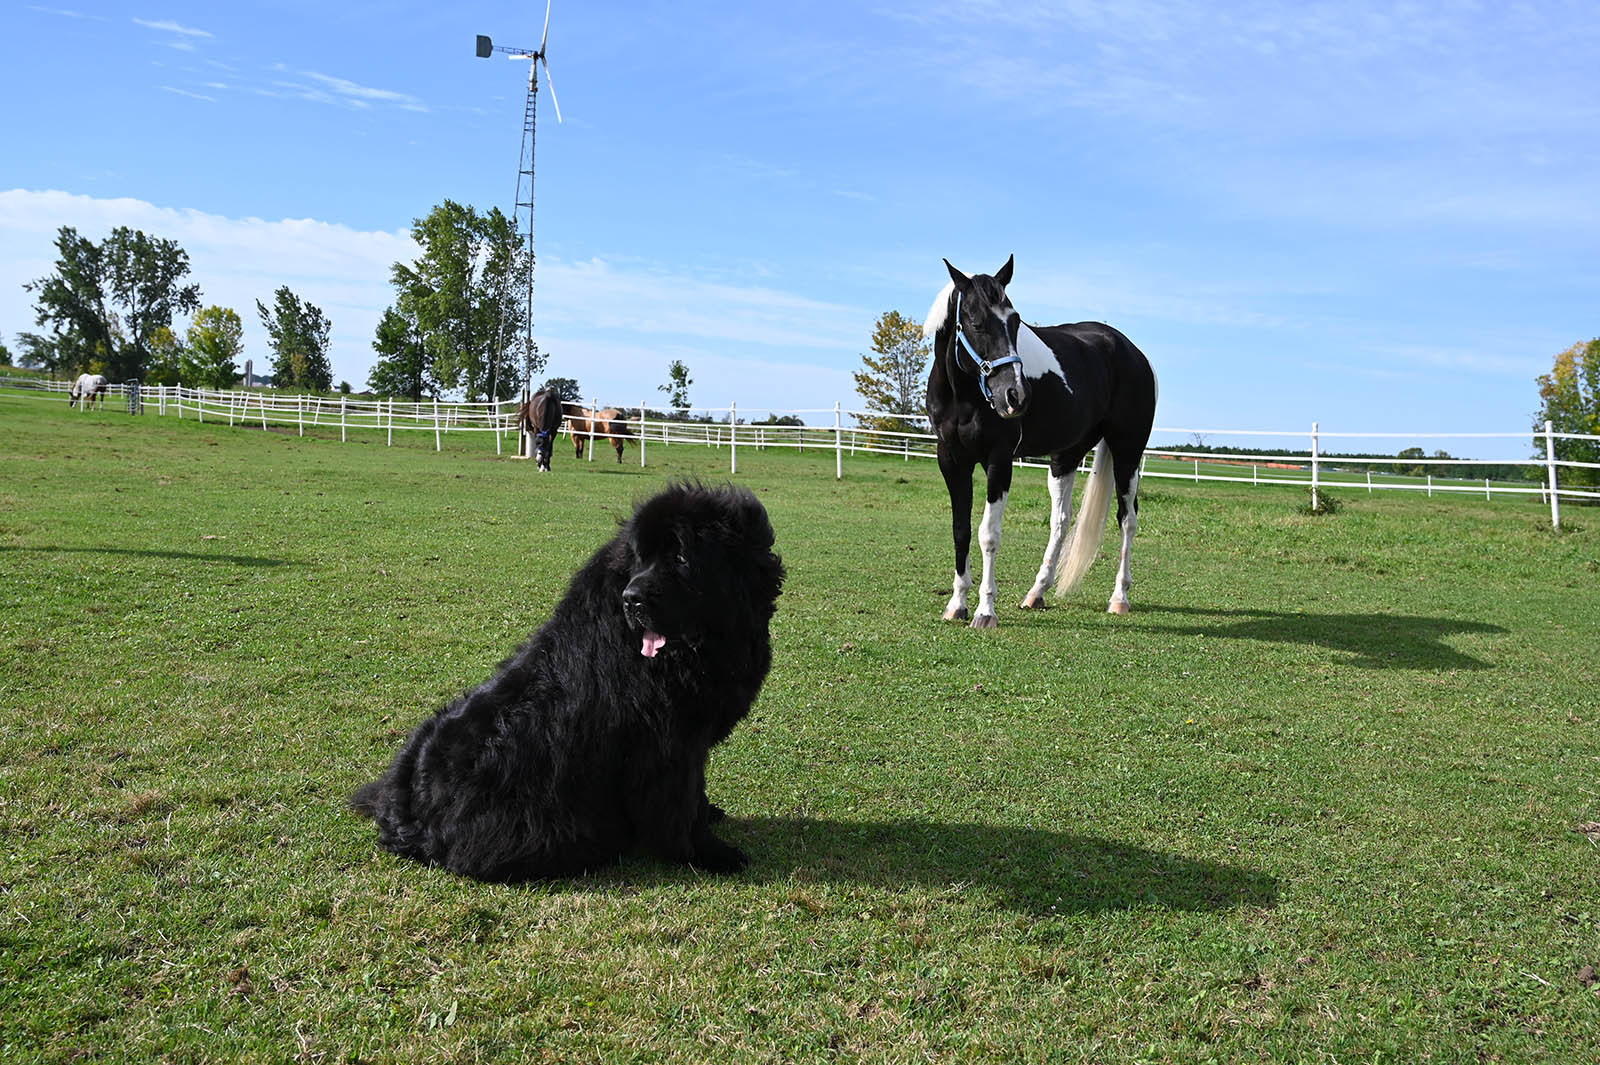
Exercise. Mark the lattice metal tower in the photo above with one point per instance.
(524, 198)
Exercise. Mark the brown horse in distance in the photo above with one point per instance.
(609, 423)
(540, 417)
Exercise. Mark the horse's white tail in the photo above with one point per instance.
(1091, 523)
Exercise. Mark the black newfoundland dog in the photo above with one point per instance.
(590, 742)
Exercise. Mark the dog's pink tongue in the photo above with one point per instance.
(653, 643)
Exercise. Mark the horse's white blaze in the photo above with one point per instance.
(939, 311)
(1037, 358)
(1060, 523)
(989, 544)
(1130, 526)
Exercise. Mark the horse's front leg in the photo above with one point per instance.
(994, 509)
(1062, 475)
(958, 481)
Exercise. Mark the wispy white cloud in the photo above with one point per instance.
(168, 26)
(362, 95)
(66, 13)
(191, 95)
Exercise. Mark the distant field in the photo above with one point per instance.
(1330, 793)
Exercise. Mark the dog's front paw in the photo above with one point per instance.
(715, 856)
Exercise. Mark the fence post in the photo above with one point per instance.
(263, 398)
(437, 444)
(494, 420)
(391, 421)
(641, 434)
(300, 405)
(200, 403)
(1550, 464)
(838, 444)
(1430, 486)
(593, 408)
(341, 418)
(1314, 466)
(1369, 482)
(733, 437)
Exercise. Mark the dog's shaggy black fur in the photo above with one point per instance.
(590, 742)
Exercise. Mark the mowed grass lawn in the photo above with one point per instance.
(1328, 794)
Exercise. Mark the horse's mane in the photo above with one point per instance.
(939, 311)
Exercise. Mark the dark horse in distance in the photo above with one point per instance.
(540, 417)
(1000, 389)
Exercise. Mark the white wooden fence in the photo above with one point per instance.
(840, 430)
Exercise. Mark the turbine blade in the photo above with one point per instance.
(552, 85)
(546, 36)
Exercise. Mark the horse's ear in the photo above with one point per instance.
(1003, 275)
(963, 282)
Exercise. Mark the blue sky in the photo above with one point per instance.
(1382, 217)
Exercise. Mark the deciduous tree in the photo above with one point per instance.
(567, 390)
(215, 342)
(402, 366)
(677, 386)
(894, 380)
(466, 293)
(298, 332)
(1569, 398)
(105, 301)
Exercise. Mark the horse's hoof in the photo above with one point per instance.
(956, 615)
(1033, 602)
(985, 621)
(1118, 606)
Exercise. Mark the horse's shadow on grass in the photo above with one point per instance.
(1036, 871)
(1376, 641)
(139, 552)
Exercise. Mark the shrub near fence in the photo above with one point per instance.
(719, 427)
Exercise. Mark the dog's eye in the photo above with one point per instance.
(683, 559)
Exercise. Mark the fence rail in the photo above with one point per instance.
(843, 430)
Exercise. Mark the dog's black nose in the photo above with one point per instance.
(632, 598)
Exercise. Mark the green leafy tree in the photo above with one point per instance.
(39, 352)
(402, 366)
(215, 342)
(1569, 398)
(466, 293)
(298, 332)
(894, 378)
(105, 301)
(567, 390)
(169, 361)
(677, 386)
(5, 355)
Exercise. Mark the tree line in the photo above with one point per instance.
(108, 307)
(459, 322)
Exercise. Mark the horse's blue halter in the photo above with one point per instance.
(982, 368)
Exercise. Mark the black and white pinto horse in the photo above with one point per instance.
(86, 389)
(540, 418)
(999, 389)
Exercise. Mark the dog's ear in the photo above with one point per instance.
(747, 518)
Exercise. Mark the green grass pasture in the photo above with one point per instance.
(1328, 794)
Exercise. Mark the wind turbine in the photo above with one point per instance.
(535, 57)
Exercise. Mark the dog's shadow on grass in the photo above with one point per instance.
(1032, 870)
(1375, 641)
